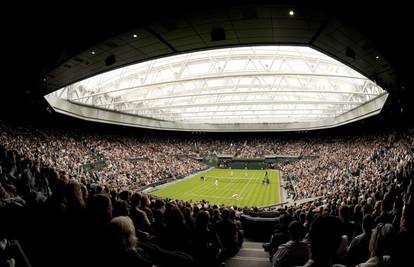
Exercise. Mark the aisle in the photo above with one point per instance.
(250, 255)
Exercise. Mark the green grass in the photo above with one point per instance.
(246, 183)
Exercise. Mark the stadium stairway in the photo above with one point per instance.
(250, 255)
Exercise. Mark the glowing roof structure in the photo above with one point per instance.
(255, 88)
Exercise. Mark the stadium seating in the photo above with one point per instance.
(64, 215)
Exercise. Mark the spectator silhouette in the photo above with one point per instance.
(358, 250)
(294, 252)
(178, 235)
(401, 253)
(227, 232)
(122, 245)
(279, 236)
(138, 216)
(379, 246)
(120, 208)
(99, 213)
(207, 245)
(325, 236)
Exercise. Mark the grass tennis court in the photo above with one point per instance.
(234, 187)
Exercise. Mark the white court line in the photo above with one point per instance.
(212, 196)
(213, 189)
(227, 187)
(207, 189)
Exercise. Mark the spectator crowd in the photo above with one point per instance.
(69, 216)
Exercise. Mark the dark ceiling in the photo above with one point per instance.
(39, 38)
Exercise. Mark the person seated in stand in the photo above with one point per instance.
(325, 236)
(227, 232)
(379, 246)
(138, 216)
(358, 250)
(294, 252)
(401, 252)
(122, 247)
(207, 246)
(279, 236)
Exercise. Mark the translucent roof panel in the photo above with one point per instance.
(255, 84)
